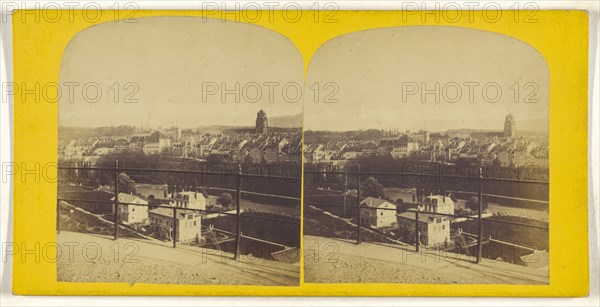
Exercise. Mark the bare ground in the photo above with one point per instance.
(96, 258)
(330, 260)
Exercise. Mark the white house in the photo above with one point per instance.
(438, 204)
(189, 200)
(377, 213)
(433, 230)
(187, 224)
(129, 213)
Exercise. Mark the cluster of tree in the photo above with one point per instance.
(225, 200)
(126, 185)
(473, 204)
(401, 206)
(432, 177)
(71, 133)
(372, 188)
(285, 180)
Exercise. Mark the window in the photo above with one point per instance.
(443, 227)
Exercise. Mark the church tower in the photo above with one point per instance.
(261, 122)
(510, 127)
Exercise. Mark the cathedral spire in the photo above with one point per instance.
(262, 125)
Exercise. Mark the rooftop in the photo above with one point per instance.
(168, 212)
(423, 217)
(375, 202)
(128, 198)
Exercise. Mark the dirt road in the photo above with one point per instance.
(341, 261)
(92, 258)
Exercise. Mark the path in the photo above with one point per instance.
(341, 261)
(100, 259)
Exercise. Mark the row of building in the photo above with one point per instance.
(237, 147)
(184, 227)
(504, 149)
(434, 230)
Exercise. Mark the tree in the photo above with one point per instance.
(372, 188)
(460, 242)
(211, 238)
(473, 204)
(401, 206)
(152, 203)
(126, 184)
(225, 200)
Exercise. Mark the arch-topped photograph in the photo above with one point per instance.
(433, 164)
(182, 145)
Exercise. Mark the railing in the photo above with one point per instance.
(479, 180)
(239, 175)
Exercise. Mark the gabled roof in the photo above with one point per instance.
(375, 202)
(128, 198)
(168, 212)
(423, 217)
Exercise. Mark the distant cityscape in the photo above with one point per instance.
(507, 148)
(261, 144)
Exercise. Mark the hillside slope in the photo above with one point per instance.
(342, 261)
(142, 261)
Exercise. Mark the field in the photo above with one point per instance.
(345, 206)
(522, 235)
(74, 192)
(75, 220)
(318, 223)
(286, 232)
(90, 219)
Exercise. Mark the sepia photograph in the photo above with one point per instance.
(432, 166)
(180, 160)
(298, 151)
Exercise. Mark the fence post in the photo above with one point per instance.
(116, 203)
(417, 239)
(174, 227)
(238, 227)
(358, 226)
(58, 217)
(480, 207)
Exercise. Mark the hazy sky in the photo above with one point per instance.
(380, 75)
(175, 62)
(377, 76)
